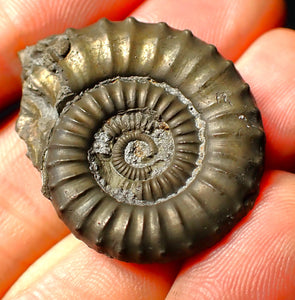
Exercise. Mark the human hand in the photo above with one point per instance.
(255, 261)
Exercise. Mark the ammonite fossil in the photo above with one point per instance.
(149, 143)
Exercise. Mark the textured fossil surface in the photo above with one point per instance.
(149, 143)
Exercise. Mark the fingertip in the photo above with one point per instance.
(259, 255)
(231, 25)
(267, 67)
(71, 268)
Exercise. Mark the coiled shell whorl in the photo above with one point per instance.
(149, 143)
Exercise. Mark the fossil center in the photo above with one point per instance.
(130, 147)
(149, 151)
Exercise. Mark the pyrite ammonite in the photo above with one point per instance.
(149, 143)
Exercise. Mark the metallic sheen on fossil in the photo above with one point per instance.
(149, 143)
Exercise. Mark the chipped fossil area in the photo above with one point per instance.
(45, 92)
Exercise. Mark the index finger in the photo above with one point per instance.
(23, 23)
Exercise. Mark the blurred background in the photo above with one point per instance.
(290, 22)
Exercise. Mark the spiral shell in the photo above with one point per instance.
(149, 142)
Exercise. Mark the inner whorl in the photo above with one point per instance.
(140, 152)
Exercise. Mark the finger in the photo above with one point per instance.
(258, 259)
(268, 67)
(231, 25)
(90, 276)
(24, 22)
(29, 225)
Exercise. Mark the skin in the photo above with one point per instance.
(39, 259)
